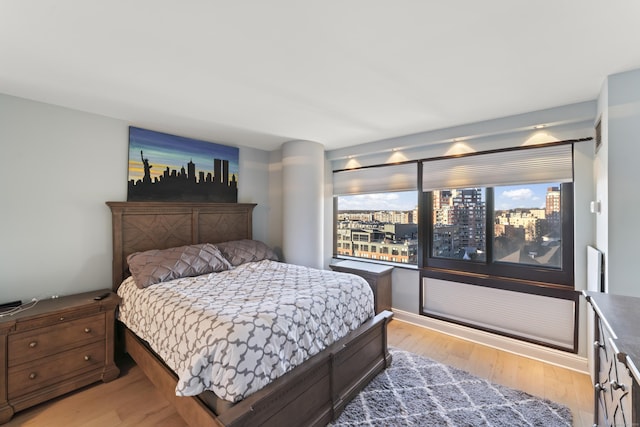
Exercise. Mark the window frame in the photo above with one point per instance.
(499, 274)
(383, 251)
(526, 278)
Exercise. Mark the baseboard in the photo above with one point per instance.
(532, 351)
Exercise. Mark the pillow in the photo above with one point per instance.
(161, 265)
(240, 251)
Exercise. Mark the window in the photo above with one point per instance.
(459, 220)
(527, 221)
(386, 222)
(491, 216)
(376, 213)
(513, 224)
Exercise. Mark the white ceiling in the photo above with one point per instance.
(338, 72)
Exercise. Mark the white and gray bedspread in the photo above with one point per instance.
(235, 331)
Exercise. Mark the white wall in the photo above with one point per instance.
(618, 227)
(583, 182)
(303, 173)
(583, 229)
(59, 167)
(253, 187)
(575, 122)
(275, 202)
(601, 173)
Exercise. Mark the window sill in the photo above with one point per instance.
(372, 261)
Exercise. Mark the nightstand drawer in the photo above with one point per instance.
(52, 320)
(28, 346)
(26, 378)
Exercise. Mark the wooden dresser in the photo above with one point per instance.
(377, 275)
(617, 358)
(55, 347)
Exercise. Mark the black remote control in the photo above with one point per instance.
(102, 296)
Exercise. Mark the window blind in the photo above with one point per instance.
(525, 166)
(377, 179)
(533, 317)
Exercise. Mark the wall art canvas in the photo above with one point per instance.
(164, 167)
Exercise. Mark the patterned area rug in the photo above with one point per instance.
(416, 391)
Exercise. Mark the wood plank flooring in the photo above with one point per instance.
(564, 386)
(131, 400)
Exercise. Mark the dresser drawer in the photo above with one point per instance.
(617, 399)
(620, 388)
(26, 378)
(31, 345)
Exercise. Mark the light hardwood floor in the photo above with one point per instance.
(131, 400)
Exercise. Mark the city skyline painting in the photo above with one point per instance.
(174, 168)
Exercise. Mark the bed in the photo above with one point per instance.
(311, 394)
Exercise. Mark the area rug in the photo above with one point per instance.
(417, 391)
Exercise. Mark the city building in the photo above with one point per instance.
(377, 240)
(459, 224)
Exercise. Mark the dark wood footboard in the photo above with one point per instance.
(312, 394)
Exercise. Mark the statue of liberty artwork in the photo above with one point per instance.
(164, 167)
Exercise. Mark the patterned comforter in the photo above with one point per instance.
(235, 331)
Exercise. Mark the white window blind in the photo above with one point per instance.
(527, 166)
(378, 179)
(535, 317)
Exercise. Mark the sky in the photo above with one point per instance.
(507, 197)
(400, 201)
(521, 196)
(164, 150)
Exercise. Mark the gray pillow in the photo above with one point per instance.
(240, 251)
(161, 265)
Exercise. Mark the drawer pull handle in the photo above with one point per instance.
(87, 357)
(32, 376)
(32, 344)
(598, 344)
(61, 318)
(600, 388)
(616, 386)
(87, 330)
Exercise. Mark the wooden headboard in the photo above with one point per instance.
(140, 226)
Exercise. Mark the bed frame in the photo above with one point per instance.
(312, 394)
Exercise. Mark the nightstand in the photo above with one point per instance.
(377, 275)
(55, 347)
